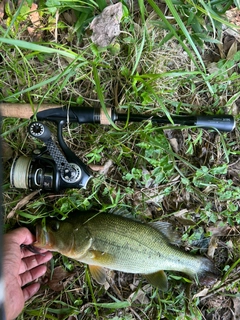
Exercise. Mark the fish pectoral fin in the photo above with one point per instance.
(98, 273)
(100, 260)
(158, 279)
(101, 257)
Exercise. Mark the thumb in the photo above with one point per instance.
(20, 236)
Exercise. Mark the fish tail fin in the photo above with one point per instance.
(207, 273)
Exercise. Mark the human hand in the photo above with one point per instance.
(20, 267)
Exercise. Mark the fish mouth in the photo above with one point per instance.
(42, 238)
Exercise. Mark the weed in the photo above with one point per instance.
(187, 176)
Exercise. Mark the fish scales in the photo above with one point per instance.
(118, 243)
(150, 247)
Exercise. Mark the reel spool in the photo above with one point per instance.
(34, 174)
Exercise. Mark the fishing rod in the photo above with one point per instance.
(81, 115)
(51, 168)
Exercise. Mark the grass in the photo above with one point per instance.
(165, 61)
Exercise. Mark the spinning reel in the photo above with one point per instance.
(49, 169)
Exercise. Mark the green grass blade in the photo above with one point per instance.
(209, 12)
(40, 48)
(88, 280)
(142, 9)
(114, 305)
(32, 88)
(184, 30)
(173, 31)
(171, 74)
(139, 52)
(101, 4)
(53, 80)
(101, 96)
(13, 19)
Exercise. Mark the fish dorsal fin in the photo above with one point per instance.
(98, 273)
(158, 279)
(123, 212)
(167, 230)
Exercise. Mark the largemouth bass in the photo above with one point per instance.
(119, 243)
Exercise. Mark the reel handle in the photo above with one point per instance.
(40, 131)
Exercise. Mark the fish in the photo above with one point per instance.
(106, 240)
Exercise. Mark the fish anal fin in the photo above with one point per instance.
(98, 273)
(158, 279)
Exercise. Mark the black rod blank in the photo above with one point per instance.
(96, 115)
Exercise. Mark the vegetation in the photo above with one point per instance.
(171, 57)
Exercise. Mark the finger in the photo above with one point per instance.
(19, 236)
(30, 290)
(33, 261)
(28, 253)
(32, 274)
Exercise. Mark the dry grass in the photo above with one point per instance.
(196, 188)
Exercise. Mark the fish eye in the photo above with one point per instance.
(55, 226)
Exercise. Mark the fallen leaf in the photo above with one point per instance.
(106, 26)
(235, 110)
(183, 217)
(175, 138)
(59, 279)
(35, 30)
(212, 247)
(138, 296)
(7, 151)
(104, 170)
(202, 293)
(218, 230)
(233, 16)
(34, 15)
(22, 203)
(236, 304)
(232, 51)
(70, 17)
